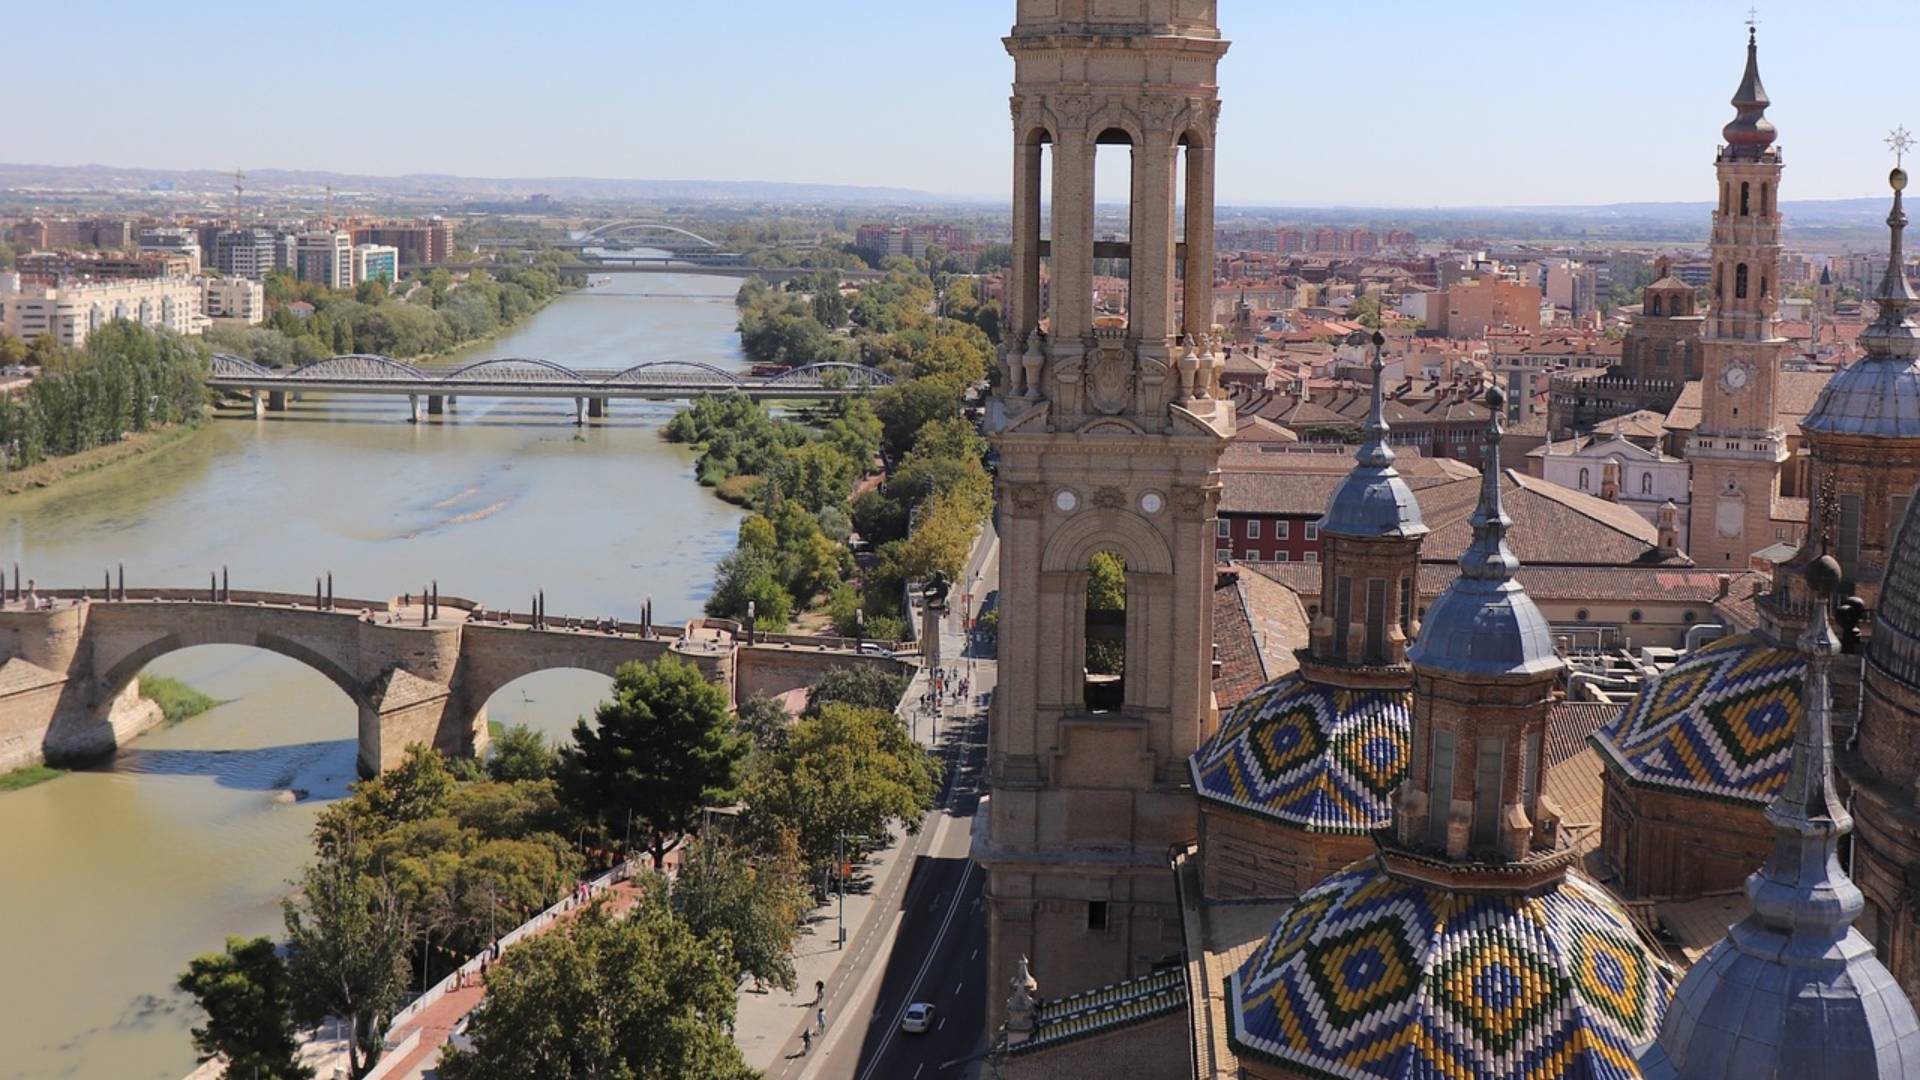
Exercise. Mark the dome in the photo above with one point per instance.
(1794, 990)
(1895, 647)
(1485, 623)
(1373, 502)
(1318, 757)
(1719, 723)
(1750, 133)
(1876, 396)
(1368, 975)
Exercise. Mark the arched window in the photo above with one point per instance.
(1655, 309)
(1106, 632)
(1646, 483)
(1743, 198)
(1584, 477)
(1740, 282)
(1376, 647)
(1718, 280)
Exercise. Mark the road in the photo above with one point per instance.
(939, 953)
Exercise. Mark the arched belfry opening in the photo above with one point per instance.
(1104, 633)
(1116, 183)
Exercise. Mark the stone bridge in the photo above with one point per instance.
(68, 662)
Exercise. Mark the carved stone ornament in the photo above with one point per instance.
(1071, 110)
(1189, 503)
(1025, 498)
(1109, 498)
(1110, 379)
(1158, 112)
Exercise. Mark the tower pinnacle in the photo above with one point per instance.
(1750, 133)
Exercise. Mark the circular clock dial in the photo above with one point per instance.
(1736, 377)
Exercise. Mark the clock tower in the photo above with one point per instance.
(1739, 446)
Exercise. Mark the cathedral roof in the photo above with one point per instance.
(1485, 623)
(1371, 976)
(1794, 990)
(1895, 647)
(1878, 395)
(1373, 501)
(1317, 757)
(1718, 723)
(1109, 1008)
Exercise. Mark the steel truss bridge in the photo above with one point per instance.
(592, 390)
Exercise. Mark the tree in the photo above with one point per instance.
(910, 405)
(521, 753)
(747, 577)
(941, 540)
(860, 685)
(660, 751)
(248, 1001)
(764, 721)
(845, 773)
(347, 939)
(641, 998)
(756, 907)
(1106, 593)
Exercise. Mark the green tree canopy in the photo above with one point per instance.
(663, 748)
(248, 999)
(755, 906)
(521, 753)
(347, 938)
(845, 773)
(862, 686)
(639, 998)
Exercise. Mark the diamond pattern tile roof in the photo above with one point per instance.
(1719, 723)
(1317, 757)
(1373, 978)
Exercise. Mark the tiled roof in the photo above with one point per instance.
(1570, 722)
(1111, 1007)
(1371, 976)
(1241, 670)
(1279, 623)
(1718, 723)
(1737, 609)
(1794, 397)
(1650, 583)
(1320, 758)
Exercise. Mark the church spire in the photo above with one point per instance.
(1750, 133)
(1489, 558)
(1894, 333)
(1374, 452)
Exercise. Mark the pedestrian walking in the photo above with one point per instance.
(819, 991)
(806, 1043)
(821, 1015)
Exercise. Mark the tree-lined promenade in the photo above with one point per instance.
(419, 869)
(915, 459)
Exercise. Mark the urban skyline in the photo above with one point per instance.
(1486, 114)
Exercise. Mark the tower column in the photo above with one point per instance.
(1023, 316)
(1071, 254)
(1150, 262)
(1197, 268)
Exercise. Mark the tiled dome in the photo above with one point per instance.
(1877, 396)
(1720, 722)
(1322, 758)
(1371, 977)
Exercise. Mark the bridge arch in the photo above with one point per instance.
(230, 366)
(509, 365)
(659, 371)
(114, 680)
(357, 366)
(819, 374)
(612, 228)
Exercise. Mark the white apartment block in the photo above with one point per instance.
(234, 298)
(71, 312)
(325, 256)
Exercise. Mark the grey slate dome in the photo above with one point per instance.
(1879, 395)
(1793, 991)
(1895, 646)
(1373, 502)
(1485, 623)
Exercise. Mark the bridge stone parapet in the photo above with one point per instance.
(69, 660)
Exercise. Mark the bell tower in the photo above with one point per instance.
(1739, 446)
(1109, 420)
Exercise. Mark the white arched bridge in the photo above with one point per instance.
(592, 390)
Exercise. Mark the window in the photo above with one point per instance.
(1744, 192)
(1253, 528)
(1847, 533)
(1580, 615)
(1280, 557)
(1440, 783)
(1634, 615)
(1342, 614)
(1223, 528)
(1376, 621)
(1763, 198)
(1096, 914)
(1584, 478)
(1313, 530)
(1530, 772)
(1222, 555)
(1740, 282)
(1406, 607)
(1489, 754)
(1312, 556)
(1281, 529)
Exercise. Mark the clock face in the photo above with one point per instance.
(1735, 377)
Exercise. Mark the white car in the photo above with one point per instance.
(918, 1019)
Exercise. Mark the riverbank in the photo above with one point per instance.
(176, 699)
(27, 776)
(140, 444)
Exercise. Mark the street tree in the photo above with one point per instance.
(659, 751)
(864, 686)
(757, 904)
(845, 773)
(640, 998)
(347, 942)
(247, 997)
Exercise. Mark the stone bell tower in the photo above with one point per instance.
(1109, 432)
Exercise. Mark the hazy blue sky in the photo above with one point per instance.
(1404, 102)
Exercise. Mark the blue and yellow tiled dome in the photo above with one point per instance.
(1318, 757)
(1369, 977)
(1718, 723)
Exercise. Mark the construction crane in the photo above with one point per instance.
(329, 206)
(239, 181)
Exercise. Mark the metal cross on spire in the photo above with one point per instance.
(1753, 18)
(1899, 140)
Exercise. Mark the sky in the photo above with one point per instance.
(1395, 103)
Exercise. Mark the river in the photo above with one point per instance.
(113, 877)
